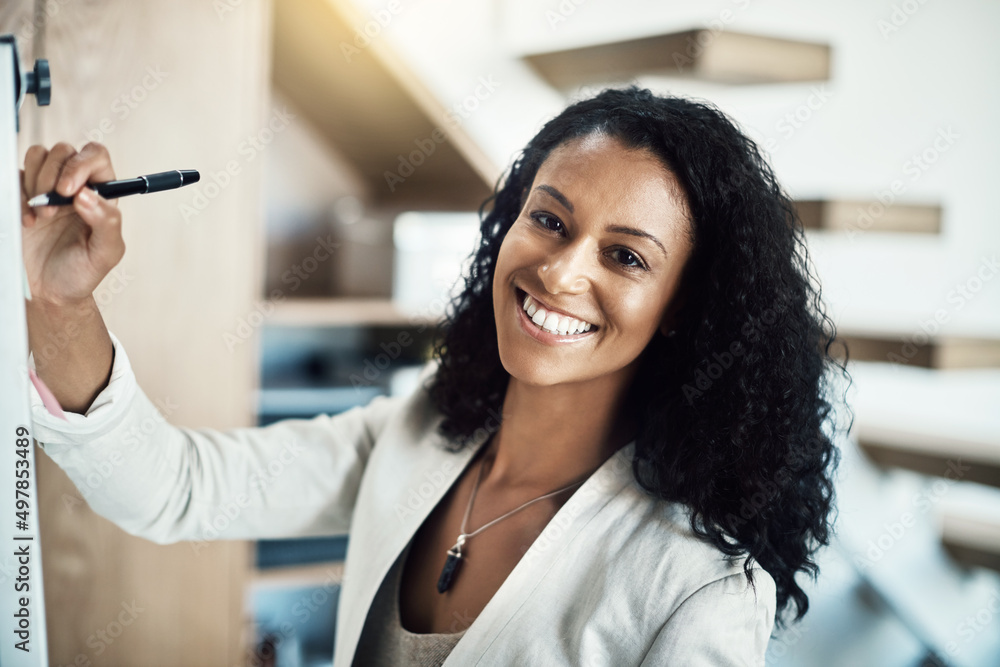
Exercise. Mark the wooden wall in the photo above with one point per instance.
(164, 86)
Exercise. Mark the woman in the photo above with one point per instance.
(628, 397)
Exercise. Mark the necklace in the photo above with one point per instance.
(454, 559)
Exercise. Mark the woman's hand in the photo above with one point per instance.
(68, 249)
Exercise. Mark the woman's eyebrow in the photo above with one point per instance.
(641, 233)
(619, 229)
(560, 197)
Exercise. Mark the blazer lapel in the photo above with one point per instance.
(557, 539)
(405, 480)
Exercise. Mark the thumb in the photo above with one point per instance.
(106, 244)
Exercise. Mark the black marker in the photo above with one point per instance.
(140, 185)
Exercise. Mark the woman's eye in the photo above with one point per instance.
(628, 258)
(548, 221)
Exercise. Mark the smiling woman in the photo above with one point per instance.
(552, 493)
(657, 224)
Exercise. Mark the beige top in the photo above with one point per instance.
(384, 640)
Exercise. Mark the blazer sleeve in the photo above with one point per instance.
(722, 624)
(297, 477)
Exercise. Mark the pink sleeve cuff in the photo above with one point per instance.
(48, 399)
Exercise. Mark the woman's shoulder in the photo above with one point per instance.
(407, 414)
(658, 535)
(647, 578)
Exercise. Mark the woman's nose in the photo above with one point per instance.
(567, 270)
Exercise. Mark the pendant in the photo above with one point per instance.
(451, 565)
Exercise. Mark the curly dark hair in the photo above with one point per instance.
(732, 405)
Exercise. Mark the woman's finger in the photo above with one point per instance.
(49, 173)
(27, 214)
(52, 167)
(105, 221)
(91, 165)
(33, 160)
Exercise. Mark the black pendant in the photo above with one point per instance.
(449, 570)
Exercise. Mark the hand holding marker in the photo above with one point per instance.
(166, 180)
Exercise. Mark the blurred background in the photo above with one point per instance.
(345, 146)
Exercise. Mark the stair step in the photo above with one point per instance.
(972, 539)
(936, 422)
(721, 56)
(940, 353)
(938, 459)
(869, 216)
(359, 95)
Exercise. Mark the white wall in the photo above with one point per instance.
(889, 96)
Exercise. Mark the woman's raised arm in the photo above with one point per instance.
(154, 479)
(166, 483)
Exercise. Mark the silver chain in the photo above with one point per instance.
(468, 510)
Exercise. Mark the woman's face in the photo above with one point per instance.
(601, 241)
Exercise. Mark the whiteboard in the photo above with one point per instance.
(22, 604)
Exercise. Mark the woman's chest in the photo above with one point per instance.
(487, 559)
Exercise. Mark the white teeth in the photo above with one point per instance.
(551, 322)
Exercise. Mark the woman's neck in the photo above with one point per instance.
(552, 436)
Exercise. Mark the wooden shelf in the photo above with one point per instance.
(314, 574)
(869, 216)
(945, 446)
(725, 57)
(935, 458)
(341, 312)
(972, 540)
(941, 353)
(936, 422)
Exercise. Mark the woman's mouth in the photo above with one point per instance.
(550, 326)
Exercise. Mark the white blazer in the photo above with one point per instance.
(616, 578)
